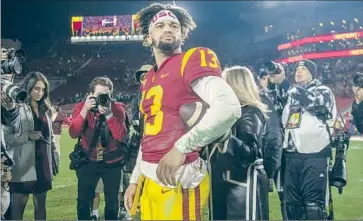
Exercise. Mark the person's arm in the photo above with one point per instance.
(136, 173)
(78, 121)
(116, 121)
(222, 103)
(321, 96)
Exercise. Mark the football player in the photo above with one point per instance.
(175, 180)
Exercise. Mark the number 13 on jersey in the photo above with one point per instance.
(156, 94)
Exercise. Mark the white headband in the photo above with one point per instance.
(163, 16)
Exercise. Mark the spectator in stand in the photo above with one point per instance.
(58, 119)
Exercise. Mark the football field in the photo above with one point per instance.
(61, 201)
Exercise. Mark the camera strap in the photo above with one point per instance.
(97, 133)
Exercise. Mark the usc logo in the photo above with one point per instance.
(163, 14)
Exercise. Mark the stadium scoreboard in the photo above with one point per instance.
(115, 28)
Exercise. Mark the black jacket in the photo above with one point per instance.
(244, 148)
(249, 129)
(272, 139)
(357, 112)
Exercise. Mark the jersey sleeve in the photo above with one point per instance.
(197, 63)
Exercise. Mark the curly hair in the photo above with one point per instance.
(145, 16)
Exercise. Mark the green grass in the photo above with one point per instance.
(61, 202)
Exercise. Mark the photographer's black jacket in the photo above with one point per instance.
(357, 112)
(272, 139)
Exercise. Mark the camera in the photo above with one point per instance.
(9, 162)
(14, 62)
(103, 100)
(272, 68)
(338, 177)
(13, 91)
(357, 80)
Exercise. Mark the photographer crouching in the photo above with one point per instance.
(357, 105)
(306, 145)
(99, 125)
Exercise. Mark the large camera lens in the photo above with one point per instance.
(271, 68)
(103, 100)
(13, 91)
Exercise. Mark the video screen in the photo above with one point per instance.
(116, 25)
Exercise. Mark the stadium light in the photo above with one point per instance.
(332, 23)
(356, 20)
(343, 21)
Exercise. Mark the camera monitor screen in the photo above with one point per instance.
(105, 28)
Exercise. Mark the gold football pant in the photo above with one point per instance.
(162, 203)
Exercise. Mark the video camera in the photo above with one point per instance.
(103, 100)
(12, 65)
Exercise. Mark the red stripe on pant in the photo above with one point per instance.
(185, 194)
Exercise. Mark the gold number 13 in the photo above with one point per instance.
(155, 127)
(210, 56)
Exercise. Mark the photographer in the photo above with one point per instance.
(100, 124)
(272, 140)
(306, 142)
(357, 105)
(9, 114)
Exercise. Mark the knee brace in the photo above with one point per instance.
(315, 211)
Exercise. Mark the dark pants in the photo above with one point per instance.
(88, 176)
(305, 187)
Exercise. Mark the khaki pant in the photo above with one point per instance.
(57, 143)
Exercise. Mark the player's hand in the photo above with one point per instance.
(129, 196)
(168, 166)
(7, 102)
(35, 135)
(278, 78)
(89, 103)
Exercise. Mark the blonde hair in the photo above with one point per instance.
(244, 86)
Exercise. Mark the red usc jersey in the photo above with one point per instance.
(163, 93)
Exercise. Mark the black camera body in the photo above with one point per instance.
(338, 176)
(357, 80)
(102, 100)
(13, 65)
(272, 68)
